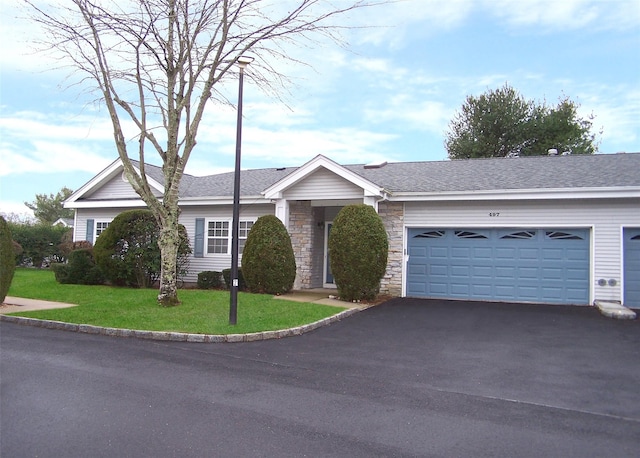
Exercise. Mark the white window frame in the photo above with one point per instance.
(242, 234)
(99, 230)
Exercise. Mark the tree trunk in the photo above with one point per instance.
(169, 242)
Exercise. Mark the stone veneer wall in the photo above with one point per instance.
(301, 224)
(317, 266)
(392, 214)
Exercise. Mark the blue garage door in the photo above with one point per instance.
(632, 268)
(523, 265)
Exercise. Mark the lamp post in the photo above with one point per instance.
(243, 61)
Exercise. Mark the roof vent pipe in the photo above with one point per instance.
(553, 152)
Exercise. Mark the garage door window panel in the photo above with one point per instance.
(470, 235)
(519, 235)
(560, 235)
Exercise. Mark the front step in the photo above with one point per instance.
(615, 310)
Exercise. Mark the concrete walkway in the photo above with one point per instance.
(20, 304)
(322, 296)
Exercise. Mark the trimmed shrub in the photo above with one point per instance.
(7, 259)
(209, 280)
(17, 249)
(61, 272)
(268, 261)
(226, 274)
(127, 251)
(80, 269)
(39, 243)
(358, 250)
(66, 247)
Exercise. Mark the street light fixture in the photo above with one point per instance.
(242, 62)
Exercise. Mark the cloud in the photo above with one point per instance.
(36, 142)
(11, 208)
(616, 111)
(428, 115)
(56, 126)
(50, 157)
(297, 146)
(566, 14)
(391, 24)
(286, 147)
(397, 24)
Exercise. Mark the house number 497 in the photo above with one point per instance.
(494, 214)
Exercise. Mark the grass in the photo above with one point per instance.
(201, 311)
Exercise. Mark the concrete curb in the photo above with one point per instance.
(179, 336)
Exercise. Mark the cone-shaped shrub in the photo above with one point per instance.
(358, 249)
(7, 259)
(268, 262)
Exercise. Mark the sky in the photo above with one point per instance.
(389, 95)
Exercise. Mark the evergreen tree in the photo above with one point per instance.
(502, 122)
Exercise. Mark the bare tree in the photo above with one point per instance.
(157, 63)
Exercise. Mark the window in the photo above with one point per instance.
(469, 235)
(243, 231)
(219, 236)
(555, 235)
(430, 235)
(100, 227)
(520, 235)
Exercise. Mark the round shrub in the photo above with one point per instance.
(127, 251)
(268, 262)
(80, 269)
(7, 259)
(358, 250)
(226, 276)
(209, 279)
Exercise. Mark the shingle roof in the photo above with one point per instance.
(523, 173)
(252, 183)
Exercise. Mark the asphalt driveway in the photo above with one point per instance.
(406, 378)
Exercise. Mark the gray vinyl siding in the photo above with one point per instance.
(605, 218)
(97, 215)
(215, 262)
(323, 184)
(188, 219)
(116, 188)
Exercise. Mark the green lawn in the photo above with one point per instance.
(201, 311)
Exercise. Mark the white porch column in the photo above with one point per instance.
(372, 201)
(282, 211)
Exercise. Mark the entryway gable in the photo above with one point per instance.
(321, 178)
(323, 184)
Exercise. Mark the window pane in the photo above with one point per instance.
(218, 229)
(101, 226)
(243, 228)
(217, 246)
